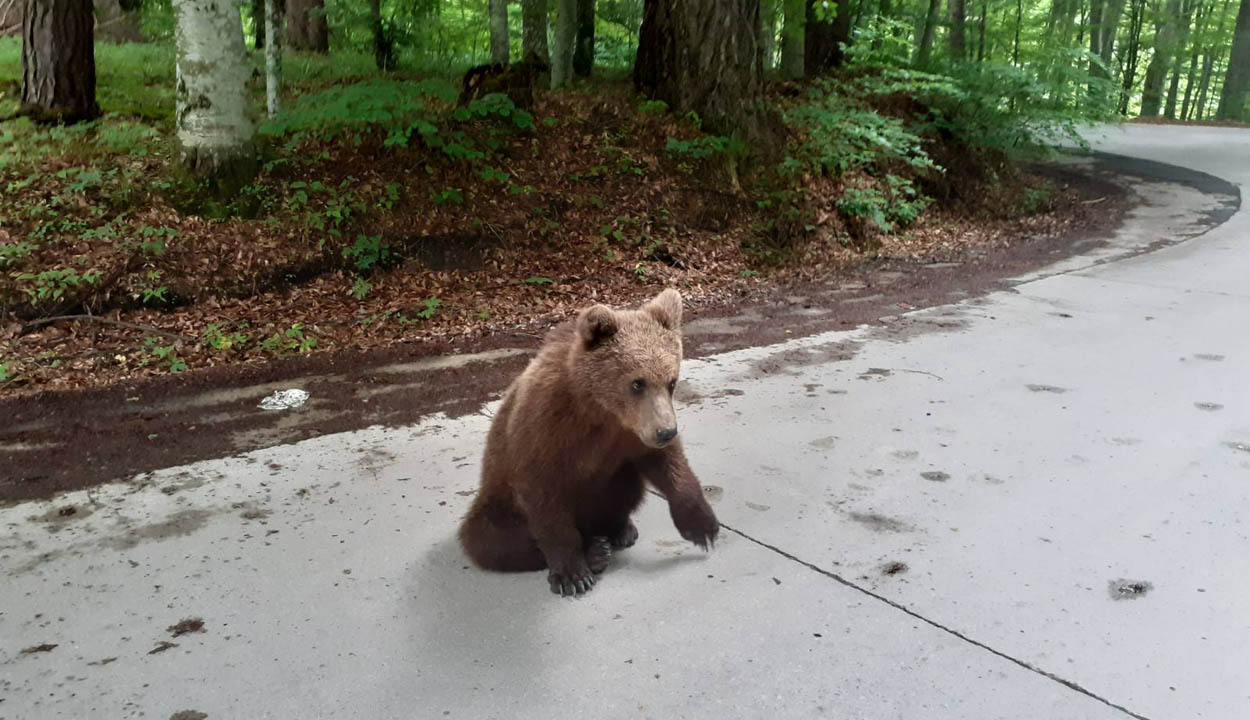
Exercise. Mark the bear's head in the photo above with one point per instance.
(628, 360)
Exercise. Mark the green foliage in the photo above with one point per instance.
(447, 196)
(538, 281)
(12, 252)
(166, 355)
(52, 285)
(703, 147)
(392, 105)
(7, 372)
(223, 341)
(653, 107)
(368, 251)
(841, 135)
(360, 288)
(292, 340)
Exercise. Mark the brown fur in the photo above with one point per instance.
(575, 441)
(516, 81)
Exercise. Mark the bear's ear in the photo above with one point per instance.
(666, 309)
(596, 324)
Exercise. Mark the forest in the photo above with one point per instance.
(199, 183)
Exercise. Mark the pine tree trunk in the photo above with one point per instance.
(565, 42)
(58, 61)
(792, 33)
(959, 42)
(704, 55)
(534, 29)
(1237, 79)
(273, 55)
(584, 55)
(925, 49)
(499, 42)
(214, 119)
(1160, 60)
(768, 32)
(306, 25)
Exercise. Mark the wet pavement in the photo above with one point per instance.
(1028, 504)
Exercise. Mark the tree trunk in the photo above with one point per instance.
(792, 31)
(499, 42)
(1160, 60)
(1015, 48)
(985, 10)
(1192, 73)
(1109, 24)
(11, 17)
(768, 32)
(1137, 15)
(258, 24)
(1182, 40)
(273, 55)
(823, 38)
(565, 40)
(584, 55)
(215, 126)
(58, 61)
(959, 42)
(383, 45)
(925, 49)
(118, 21)
(306, 25)
(704, 56)
(1209, 56)
(1237, 78)
(534, 29)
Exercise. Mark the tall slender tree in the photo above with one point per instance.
(792, 35)
(1195, 46)
(1236, 91)
(768, 31)
(924, 48)
(565, 41)
(534, 29)
(273, 55)
(1160, 59)
(499, 41)
(58, 61)
(584, 55)
(1178, 51)
(958, 37)
(1210, 56)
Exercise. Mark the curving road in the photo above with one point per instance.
(1034, 504)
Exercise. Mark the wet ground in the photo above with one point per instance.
(1026, 501)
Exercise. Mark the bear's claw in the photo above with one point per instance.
(598, 554)
(576, 582)
(626, 537)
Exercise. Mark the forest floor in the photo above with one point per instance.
(437, 224)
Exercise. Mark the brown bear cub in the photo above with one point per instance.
(574, 442)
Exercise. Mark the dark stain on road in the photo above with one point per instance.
(1128, 589)
(880, 523)
(1208, 406)
(935, 476)
(1038, 388)
(894, 568)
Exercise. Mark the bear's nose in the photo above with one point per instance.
(663, 435)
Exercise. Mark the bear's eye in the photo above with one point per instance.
(637, 386)
(672, 385)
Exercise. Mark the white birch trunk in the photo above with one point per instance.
(565, 43)
(273, 56)
(214, 120)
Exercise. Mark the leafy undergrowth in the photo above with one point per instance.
(384, 214)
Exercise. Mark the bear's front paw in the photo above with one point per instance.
(574, 578)
(696, 522)
(626, 537)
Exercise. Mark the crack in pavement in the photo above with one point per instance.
(933, 623)
(1155, 286)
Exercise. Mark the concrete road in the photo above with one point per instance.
(1035, 504)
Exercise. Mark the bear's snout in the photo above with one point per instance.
(664, 436)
